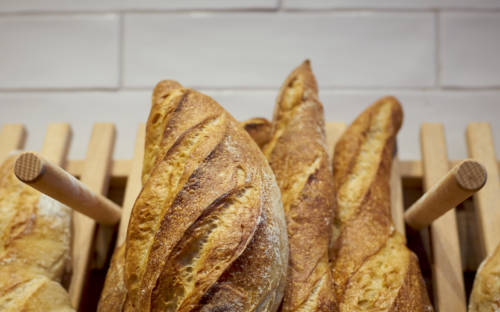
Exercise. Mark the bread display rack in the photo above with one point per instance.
(457, 243)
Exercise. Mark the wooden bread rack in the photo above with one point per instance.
(448, 252)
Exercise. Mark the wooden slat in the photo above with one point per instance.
(480, 147)
(397, 203)
(133, 183)
(12, 137)
(56, 143)
(448, 285)
(95, 175)
(120, 168)
(412, 169)
(334, 131)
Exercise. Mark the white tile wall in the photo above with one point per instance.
(470, 49)
(256, 50)
(88, 61)
(58, 51)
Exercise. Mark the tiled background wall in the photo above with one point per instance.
(97, 60)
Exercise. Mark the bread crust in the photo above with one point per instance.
(485, 295)
(207, 231)
(34, 246)
(22, 290)
(260, 129)
(366, 249)
(298, 156)
(114, 292)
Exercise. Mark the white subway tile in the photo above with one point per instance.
(260, 49)
(470, 49)
(129, 108)
(56, 51)
(388, 4)
(105, 5)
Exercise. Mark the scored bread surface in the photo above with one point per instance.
(485, 295)
(372, 268)
(207, 231)
(298, 155)
(34, 246)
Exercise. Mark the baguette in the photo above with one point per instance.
(34, 246)
(22, 290)
(260, 129)
(485, 295)
(298, 155)
(207, 231)
(372, 268)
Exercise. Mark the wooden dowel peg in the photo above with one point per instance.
(53, 181)
(462, 181)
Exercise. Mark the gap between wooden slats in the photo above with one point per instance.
(12, 137)
(134, 184)
(448, 284)
(480, 147)
(95, 175)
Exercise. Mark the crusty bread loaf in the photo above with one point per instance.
(298, 155)
(260, 129)
(114, 294)
(207, 231)
(22, 290)
(372, 268)
(485, 295)
(34, 246)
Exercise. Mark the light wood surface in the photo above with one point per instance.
(397, 203)
(56, 143)
(457, 185)
(12, 137)
(448, 284)
(54, 182)
(120, 168)
(133, 186)
(333, 131)
(95, 175)
(410, 170)
(480, 147)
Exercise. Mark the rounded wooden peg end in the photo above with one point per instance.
(28, 167)
(471, 175)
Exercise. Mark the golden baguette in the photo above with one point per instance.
(34, 246)
(207, 231)
(114, 293)
(260, 129)
(485, 295)
(298, 155)
(22, 290)
(372, 268)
